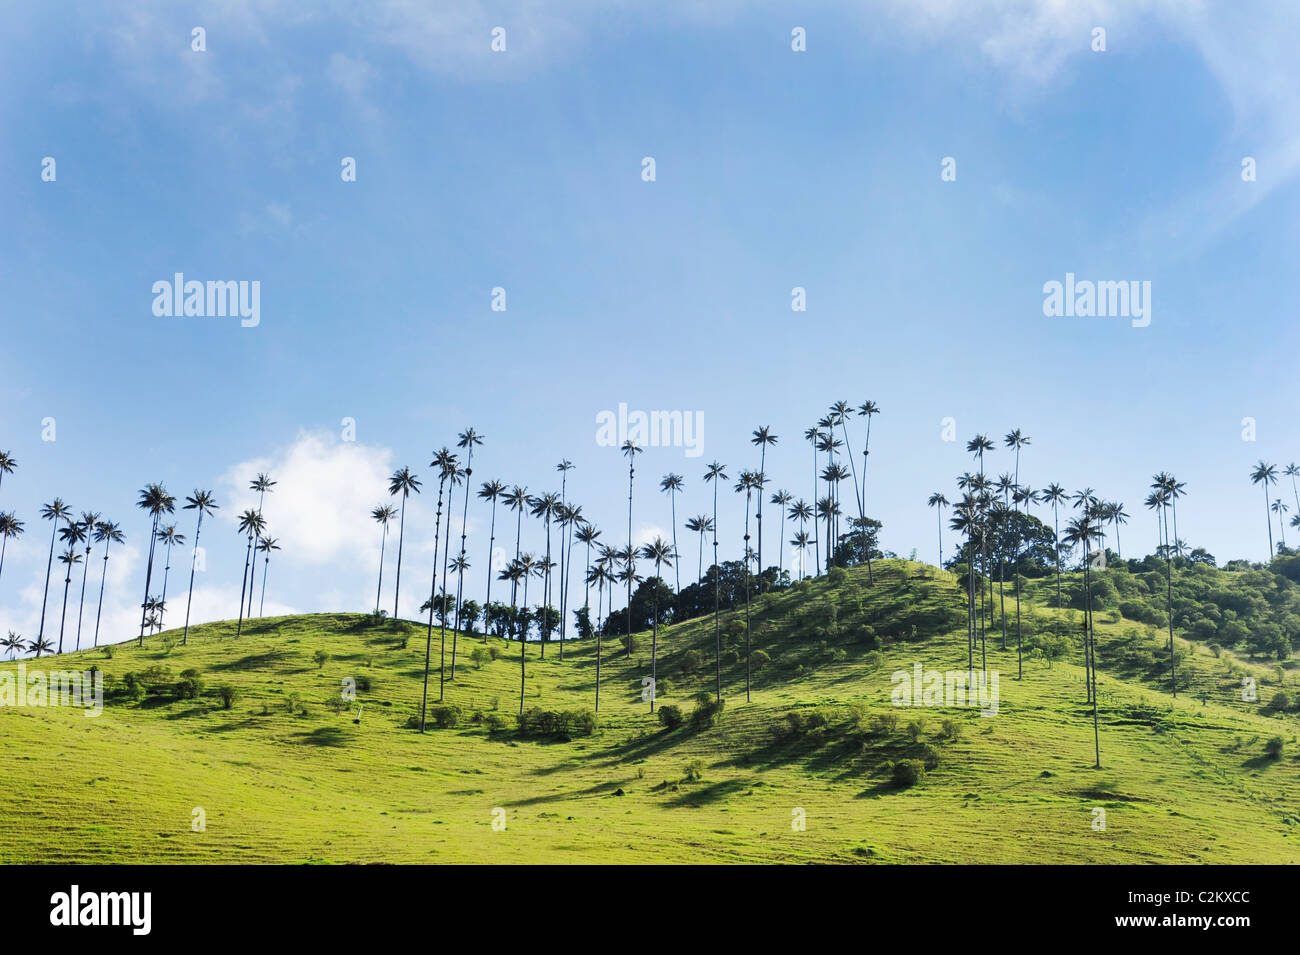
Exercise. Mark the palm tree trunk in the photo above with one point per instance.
(492, 539)
(102, 578)
(401, 536)
(442, 653)
(247, 553)
(433, 595)
(188, 600)
(148, 577)
(677, 573)
(654, 643)
(81, 606)
(383, 543)
(1266, 515)
(1087, 586)
(261, 607)
(49, 565)
(746, 556)
(717, 598)
(67, 582)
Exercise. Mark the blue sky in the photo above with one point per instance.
(522, 170)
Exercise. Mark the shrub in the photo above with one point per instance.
(321, 657)
(445, 715)
(228, 694)
(885, 723)
(951, 730)
(363, 684)
(671, 717)
(872, 659)
(494, 722)
(760, 659)
(1280, 702)
(190, 687)
(1273, 748)
(558, 723)
(907, 773)
(480, 656)
(694, 771)
(692, 660)
(707, 711)
(915, 729)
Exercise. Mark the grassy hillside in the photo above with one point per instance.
(285, 775)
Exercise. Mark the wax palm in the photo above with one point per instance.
(54, 512)
(1280, 510)
(700, 524)
(454, 474)
(262, 485)
(749, 481)
(630, 451)
(39, 646)
(7, 465)
(545, 507)
(587, 535)
(459, 564)
(781, 499)
(490, 491)
(10, 526)
(939, 502)
(444, 460)
(715, 474)
(671, 485)
(107, 533)
(154, 499)
(814, 437)
(382, 514)
(171, 538)
(203, 503)
(1054, 494)
(963, 521)
(1291, 470)
(404, 482)
(801, 542)
(13, 643)
(565, 519)
(467, 439)
(89, 519)
(1265, 475)
(516, 499)
(660, 552)
(1084, 531)
(762, 438)
(802, 512)
(266, 545)
(250, 525)
(69, 558)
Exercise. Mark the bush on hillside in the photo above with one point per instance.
(228, 695)
(907, 773)
(671, 717)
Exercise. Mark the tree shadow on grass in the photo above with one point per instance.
(325, 736)
(709, 794)
(607, 788)
(255, 661)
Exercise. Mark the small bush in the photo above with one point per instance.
(480, 656)
(445, 715)
(671, 717)
(1273, 748)
(363, 684)
(228, 695)
(694, 771)
(951, 730)
(707, 711)
(1280, 703)
(915, 729)
(885, 723)
(907, 773)
(321, 657)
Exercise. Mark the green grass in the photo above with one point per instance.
(1183, 781)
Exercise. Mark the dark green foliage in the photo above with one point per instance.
(907, 773)
(671, 717)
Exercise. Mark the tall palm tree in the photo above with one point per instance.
(749, 480)
(1054, 494)
(154, 499)
(828, 510)
(266, 545)
(455, 475)
(169, 536)
(7, 465)
(661, 552)
(587, 534)
(565, 520)
(1291, 470)
(801, 542)
(445, 461)
(382, 514)
(40, 646)
(516, 499)
(108, 533)
(1117, 515)
(716, 473)
(263, 485)
(630, 451)
(938, 501)
(1264, 474)
(405, 483)
(840, 412)
(68, 558)
(965, 515)
(545, 507)
(203, 503)
(460, 564)
(1023, 495)
(1083, 530)
(89, 520)
(802, 512)
(13, 643)
(467, 439)
(700, 524)
(10, 526)
(762, 437)
(814, 437)
(602, 575)
(250, 525)
(1280, 510)
(868, 410)
(672, 485)
(55, 512)
(780, 498)
(490, 491)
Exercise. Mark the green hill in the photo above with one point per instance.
(285, 775)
